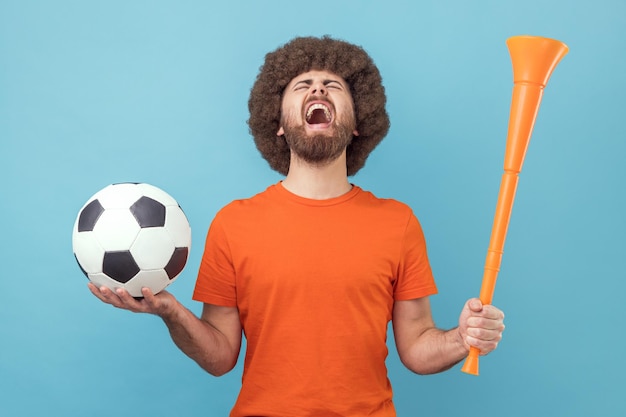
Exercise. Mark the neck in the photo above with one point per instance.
(317, 182)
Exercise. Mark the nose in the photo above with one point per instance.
(318, 88)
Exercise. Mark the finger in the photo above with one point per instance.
(492, 312)
(484, 346)
(95, 291)
(158, 304)
(148, 296)
(479, 322)
(485, 334)
(129, 302)
(104, 294)
(150, 299)
(488, 312)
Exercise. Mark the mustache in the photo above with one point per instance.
(319, 98)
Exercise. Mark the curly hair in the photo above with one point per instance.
(304, 54)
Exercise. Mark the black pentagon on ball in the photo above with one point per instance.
(89, 216)
(148, 212)
(177, 262)
(119, 265)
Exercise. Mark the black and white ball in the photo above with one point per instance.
(131, 235)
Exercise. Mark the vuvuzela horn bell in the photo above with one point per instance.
(533, 58)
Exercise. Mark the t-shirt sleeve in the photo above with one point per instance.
(415, 278)
(216, 277)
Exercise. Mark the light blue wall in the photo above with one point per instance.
(93, 93)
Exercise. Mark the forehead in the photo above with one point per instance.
(316, 75)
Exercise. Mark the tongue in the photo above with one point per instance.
(318, 117)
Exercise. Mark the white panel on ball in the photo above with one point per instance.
(116, 228)
(118, 195)
(177, 225)
(153, 248)
(102, 280)
(88, 251)
(155, 279)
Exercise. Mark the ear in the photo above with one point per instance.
(355, 132)
(280, 132)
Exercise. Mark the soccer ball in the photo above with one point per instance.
(131, 235)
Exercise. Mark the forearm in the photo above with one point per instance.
(435, 351)
(213, 341)
(201, 341)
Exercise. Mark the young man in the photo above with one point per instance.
(313, 269)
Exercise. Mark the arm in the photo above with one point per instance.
(425, 349)
(213, 340)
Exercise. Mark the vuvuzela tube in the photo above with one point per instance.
(533, 58)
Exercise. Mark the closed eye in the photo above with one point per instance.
(333, 84)
(306, 84)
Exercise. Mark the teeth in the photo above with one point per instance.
(318, 106)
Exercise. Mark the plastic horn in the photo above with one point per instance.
(533, 58)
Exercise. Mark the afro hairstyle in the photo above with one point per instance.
(304, 54)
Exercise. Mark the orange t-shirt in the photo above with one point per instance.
(314, 282)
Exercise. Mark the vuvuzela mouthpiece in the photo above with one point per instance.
(534, 58)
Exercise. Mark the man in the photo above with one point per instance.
(313, 269)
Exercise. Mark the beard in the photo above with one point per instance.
(319, 148)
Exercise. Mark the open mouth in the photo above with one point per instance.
(319, 114)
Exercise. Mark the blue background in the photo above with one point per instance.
(96, 92)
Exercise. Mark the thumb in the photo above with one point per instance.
(475, 305)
